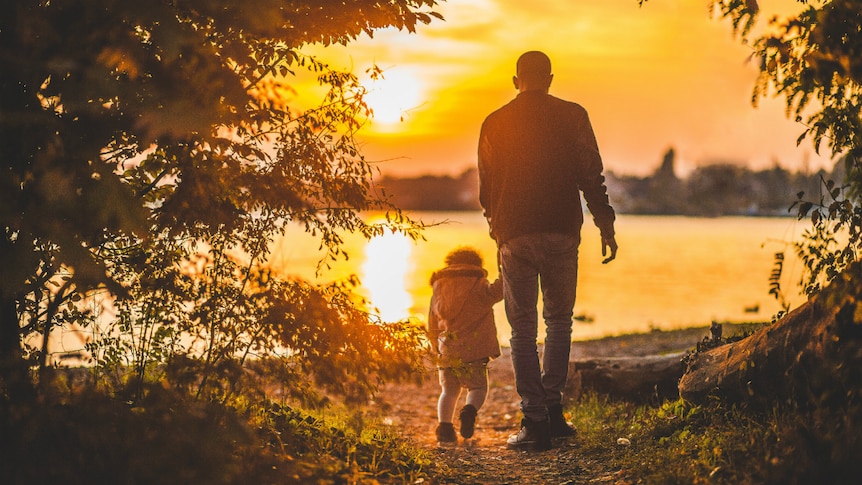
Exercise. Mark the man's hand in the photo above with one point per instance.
(609, 242)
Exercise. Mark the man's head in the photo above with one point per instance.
(533, 72)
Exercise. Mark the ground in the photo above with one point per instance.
(485, 458)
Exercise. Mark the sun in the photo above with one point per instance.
(391, 96)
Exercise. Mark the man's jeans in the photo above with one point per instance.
(528, 261)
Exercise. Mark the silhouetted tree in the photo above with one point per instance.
(125, 124)
(720, 189)
(435, 193)
(814, 60)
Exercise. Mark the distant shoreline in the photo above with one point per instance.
(714, 190)
(655, 342)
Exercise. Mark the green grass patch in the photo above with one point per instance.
(676, 443)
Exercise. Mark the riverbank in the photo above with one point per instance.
(392, 440)
(656, 342)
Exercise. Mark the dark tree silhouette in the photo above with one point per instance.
(126, 123)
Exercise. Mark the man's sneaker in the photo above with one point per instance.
(446, 434)
(468, 420)
(533, 436)
(558, 426)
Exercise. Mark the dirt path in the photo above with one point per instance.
(484, 460)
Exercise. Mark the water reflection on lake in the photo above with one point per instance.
(670, 272)
(384, 274)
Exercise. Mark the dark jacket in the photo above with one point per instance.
(536, 154)
(461, 318)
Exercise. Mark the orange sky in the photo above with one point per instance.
(652, 77)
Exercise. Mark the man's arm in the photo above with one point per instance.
(485, 182)
(592, 184)
(484, 154)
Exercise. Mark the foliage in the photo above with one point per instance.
(150, 155)
(678, 443)
(814, 60)
(133, 134)
(214, 317)
(167, 438)
(834, 240)
(775, 282)
(716, 339)
(359, 449)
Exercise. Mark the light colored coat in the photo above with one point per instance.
(461, 323)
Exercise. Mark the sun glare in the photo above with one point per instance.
(385, 270)
(392, 96)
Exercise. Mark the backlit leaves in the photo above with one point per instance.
(142, 139)
(814, 61)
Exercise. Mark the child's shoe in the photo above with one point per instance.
(468, 420)
(446, 435)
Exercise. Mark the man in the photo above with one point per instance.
(536, 154)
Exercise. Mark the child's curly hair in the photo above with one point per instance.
(464, 255)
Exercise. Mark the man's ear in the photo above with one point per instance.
(516, 82)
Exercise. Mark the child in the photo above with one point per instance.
(463, 333)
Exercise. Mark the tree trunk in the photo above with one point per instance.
(812, 354)
(638, 379)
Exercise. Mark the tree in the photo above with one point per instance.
(814, 60)
(810, 359)
(720, 188)
(125, 124)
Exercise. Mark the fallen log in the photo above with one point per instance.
(811, 354)
(638, 379)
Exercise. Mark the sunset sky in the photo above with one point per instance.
(653, 77)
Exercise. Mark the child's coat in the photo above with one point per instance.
(461, 319)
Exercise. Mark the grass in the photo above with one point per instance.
(676, 443)
(167, 438)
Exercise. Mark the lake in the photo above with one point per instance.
(670, 272)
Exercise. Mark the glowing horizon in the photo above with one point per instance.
(653, 77)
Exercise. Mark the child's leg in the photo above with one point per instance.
(476, 381)
(476, 396)
(477, 384)
(450, 390)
